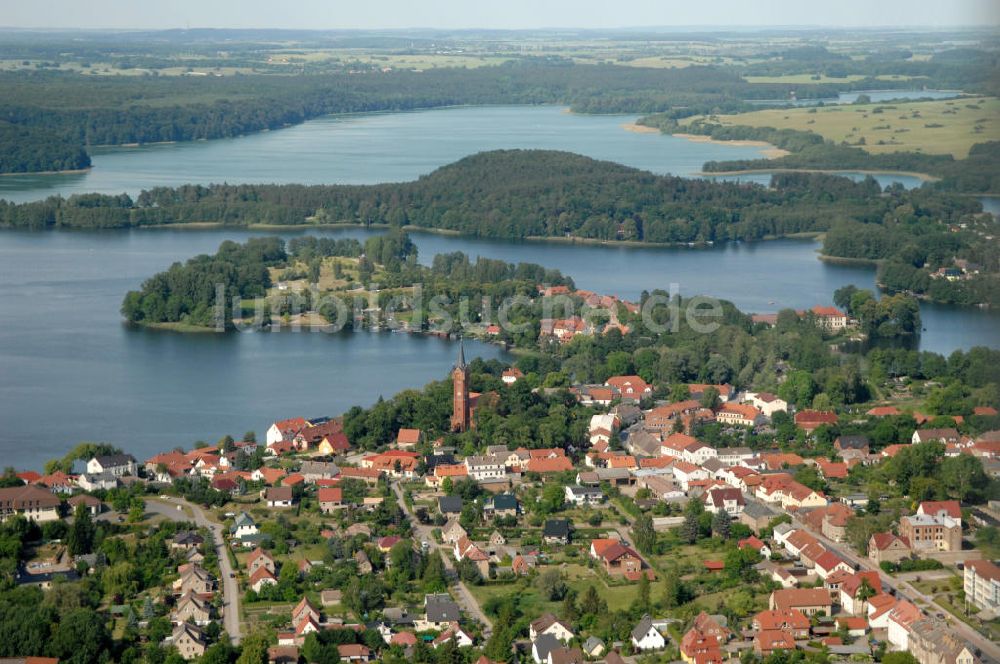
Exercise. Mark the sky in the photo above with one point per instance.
(497, 14)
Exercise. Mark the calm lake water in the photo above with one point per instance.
(875, 95)
(381, 147)
(71, 371)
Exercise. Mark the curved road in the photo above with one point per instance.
(230, 588)
(424, 534)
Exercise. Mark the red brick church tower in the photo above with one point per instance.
(462, 411)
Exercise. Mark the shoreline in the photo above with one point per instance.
(768, 150)
(72, 171)
(923, 177)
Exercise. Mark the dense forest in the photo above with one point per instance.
(30, 150)
(67, 113)
(517, 194)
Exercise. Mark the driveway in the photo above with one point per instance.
(230, 586)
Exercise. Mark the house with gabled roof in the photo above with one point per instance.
(260, 558)
(646, 637)
(192, 607)
(262, 577)
(285, 430)
(888, 547)
(851, 600)
(189, 640)
(551, 625)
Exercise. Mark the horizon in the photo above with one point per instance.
(315, 15)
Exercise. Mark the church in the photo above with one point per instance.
(464, 402)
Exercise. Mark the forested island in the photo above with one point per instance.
(522, 194)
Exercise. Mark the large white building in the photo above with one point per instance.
(982, 585)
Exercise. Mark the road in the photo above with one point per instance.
(424, 534)
(989, 649)
(230, 586)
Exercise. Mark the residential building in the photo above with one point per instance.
(330, 499)
(189, 640)
(584, 495)
(888, 547)
(982, 585)
(619, 560)
(928, 534)
(482, 468)
(766, 403)
(118, 465)
(792, 621)
(647, 637)
(807, 600)
(739, 414)
(259, 558)
(278, 496)
(933, 641)
(550, 625)
(730, 501)
(31, 502)
(556, 531)
(502, 505)
(936, 435)
(900, 622)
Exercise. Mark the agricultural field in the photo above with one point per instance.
(934, 127)
(822, 78)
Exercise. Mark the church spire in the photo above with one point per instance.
(461, 353)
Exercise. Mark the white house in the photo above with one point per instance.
(685, 473)
(698, 453)
(549, 625)
(584, 495)
(93, 482)
(728, 500)
(647, 637)
(765, 402)
(244, 526)
(482, 468)
(285, 429)
(901, 618)
(117, 465)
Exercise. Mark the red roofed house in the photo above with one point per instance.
(810, 420)
(807, 600)
(262, 577)
(768, 641)
(739, 414)
(887, 547)
(830, 318)
(792, 621)
(755, 543)
(700, 648)
(285, 430)
(409, 438)
(619, 560)
(630, 387)
(549, 465)
(330, 499)
(851, 597)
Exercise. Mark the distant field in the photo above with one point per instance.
(415, 61)
(933, 127)
(821, 78)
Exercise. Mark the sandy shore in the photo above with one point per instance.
(767, 150)
(639, 129)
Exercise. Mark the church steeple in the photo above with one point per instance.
(461, 415)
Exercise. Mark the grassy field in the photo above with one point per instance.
(820, 78)
(934, 127)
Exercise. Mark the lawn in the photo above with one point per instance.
(578, 577)
(935, 127)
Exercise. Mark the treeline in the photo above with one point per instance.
(515, 194)
(978, 173)
(30, 150)
(78, 112)
(187, 292)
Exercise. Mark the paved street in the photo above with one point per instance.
(423, 534)
(230, 585)
(990, 650)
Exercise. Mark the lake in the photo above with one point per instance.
(380, 147)
(70, 370)
(876, 96)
